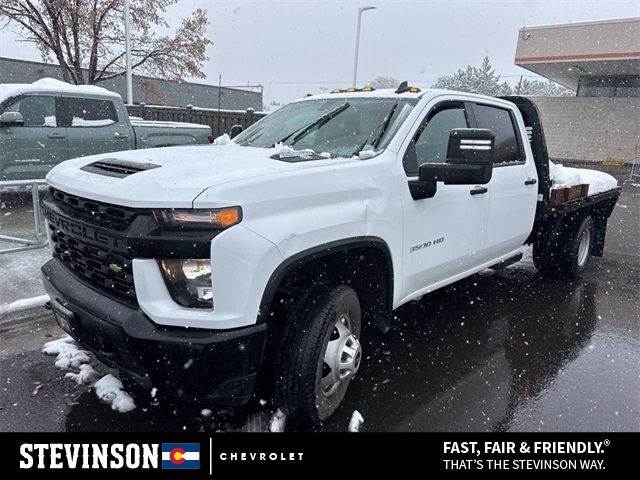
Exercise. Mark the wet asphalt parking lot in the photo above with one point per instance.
(501, 351)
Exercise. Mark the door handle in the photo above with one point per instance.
(55, 135)
(479, 191)
(120, 135)
(530, 181)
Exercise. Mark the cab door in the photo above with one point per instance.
(29, 150)
(443, 235)
(513, 189)
(94, 126)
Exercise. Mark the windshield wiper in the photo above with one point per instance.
(383, 128)
(319, 122)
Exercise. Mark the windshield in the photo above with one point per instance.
(341, 127)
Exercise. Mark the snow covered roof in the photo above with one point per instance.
(51, 85)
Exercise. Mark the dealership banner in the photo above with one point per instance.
(231, 455)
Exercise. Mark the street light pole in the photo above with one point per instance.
(127, 46)
(355, 61)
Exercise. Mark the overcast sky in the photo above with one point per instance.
(294, 47)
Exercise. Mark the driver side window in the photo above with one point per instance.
(432, 139)
(36, 110)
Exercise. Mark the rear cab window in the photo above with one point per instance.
(501, 121)
(87, 112)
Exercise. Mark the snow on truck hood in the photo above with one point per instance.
(183, 173)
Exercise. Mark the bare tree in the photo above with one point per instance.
(90, 34)
(385, 82)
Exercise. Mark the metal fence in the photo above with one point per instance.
(40, 239)
(220, 121)
(635, 168)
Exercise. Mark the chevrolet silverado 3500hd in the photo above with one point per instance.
(281, 244)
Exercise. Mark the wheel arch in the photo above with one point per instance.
(338, 259)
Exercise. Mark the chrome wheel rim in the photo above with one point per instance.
(342, 357)
(583, 248)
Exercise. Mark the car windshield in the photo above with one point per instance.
(341, 127)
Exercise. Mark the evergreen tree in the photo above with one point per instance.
(482, 80)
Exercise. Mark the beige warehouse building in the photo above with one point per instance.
(601, 62)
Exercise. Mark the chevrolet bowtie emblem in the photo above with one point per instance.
(114, 267)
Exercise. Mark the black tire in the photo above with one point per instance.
(563, 257)
(299, 369)
(575, 260)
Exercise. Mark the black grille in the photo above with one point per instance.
(104, 214)
(92, 250)
(99, 265)
(117, 168)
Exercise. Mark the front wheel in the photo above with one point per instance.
(319, 353)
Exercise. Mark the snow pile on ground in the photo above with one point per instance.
(68, 355)
(356, 421)
(109, 389)
(86, 374)
(222, 140)
(23, 304)
(278, 421)
(599, 182)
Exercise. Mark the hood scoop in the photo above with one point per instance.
(112, 167)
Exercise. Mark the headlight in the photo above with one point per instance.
(188, 281)
(199, 218)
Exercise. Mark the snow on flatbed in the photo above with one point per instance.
(562, 176)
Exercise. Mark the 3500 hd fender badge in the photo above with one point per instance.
(420, 246)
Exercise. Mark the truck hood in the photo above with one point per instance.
(182, 173)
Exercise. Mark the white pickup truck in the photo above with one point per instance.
(268, 254)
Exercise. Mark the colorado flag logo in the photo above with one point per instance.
(181, 455)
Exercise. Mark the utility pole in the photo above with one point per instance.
(219, 103)
(127, 46)
(519, 86)
(355, 61)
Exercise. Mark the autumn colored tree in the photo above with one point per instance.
(86, 37)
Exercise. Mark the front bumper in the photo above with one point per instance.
(219, 367)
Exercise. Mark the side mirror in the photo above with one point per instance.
(236, 130)
(470, 156)
(11, 118)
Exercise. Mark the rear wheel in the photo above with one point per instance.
(319, 353)
(568, 255)
(578, 249)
